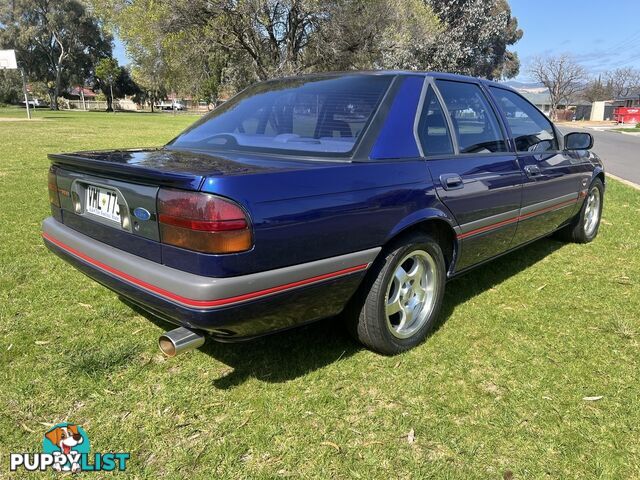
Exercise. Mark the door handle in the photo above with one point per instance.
(451, 181)
(532, 170)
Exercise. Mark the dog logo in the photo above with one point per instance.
(66, 448)
(71, 441)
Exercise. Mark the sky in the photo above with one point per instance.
(119, 52)
(601, 34)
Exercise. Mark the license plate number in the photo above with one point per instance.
(102, 202)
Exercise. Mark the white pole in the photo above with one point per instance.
(113, 107)
(26, 95)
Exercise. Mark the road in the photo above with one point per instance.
(620, 153)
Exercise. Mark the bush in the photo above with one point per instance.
(10, 86)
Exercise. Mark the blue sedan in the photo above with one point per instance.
(301, 198)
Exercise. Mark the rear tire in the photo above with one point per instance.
(584, 227)
(405, 290)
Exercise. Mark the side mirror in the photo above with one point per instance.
(578, 141)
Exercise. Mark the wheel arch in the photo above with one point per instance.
(433, 222)
(598, 172)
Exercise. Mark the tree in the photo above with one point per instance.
(562, 76)
(375, 34)
(10, 86)
(216, 47)
(206, 47)
(138, 24)
(53, 39)
(623, 81)
(114, 81)
(107, 70)
(194, 64)
(148, 74)
(595, 91)
(476, 34)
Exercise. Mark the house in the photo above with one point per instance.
(540, 99)
(630, 100)
(77, 93)
(574, 110)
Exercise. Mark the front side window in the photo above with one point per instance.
(531, 130)
(433, 130)
(474, 121)
(310, 114)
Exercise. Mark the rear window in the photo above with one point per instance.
(315, 115)
(474, 122)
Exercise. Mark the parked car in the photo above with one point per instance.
(34, 103)
(170, 105)
(257, 218)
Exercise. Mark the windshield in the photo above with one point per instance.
(311, 114)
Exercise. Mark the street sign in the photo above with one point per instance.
(8, 60)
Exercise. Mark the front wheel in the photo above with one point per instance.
(584, 227)
(404, 298)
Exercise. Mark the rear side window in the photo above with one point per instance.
(474, 121)
(433, 130)
(531, 130)
(310, 114)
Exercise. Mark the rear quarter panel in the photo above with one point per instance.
(304, 215)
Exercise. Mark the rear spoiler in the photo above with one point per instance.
(88, 162)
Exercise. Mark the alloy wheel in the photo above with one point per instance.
(410, 294)
(592, 212)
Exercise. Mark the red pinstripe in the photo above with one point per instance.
(200, 303)
(493, 226)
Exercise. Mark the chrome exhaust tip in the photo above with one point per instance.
(180, 340)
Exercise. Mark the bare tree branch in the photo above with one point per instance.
(563, 77)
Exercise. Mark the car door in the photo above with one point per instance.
(476, 176)
(552, 176)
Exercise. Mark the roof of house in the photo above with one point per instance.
(537, 98)
(544, 98)
(86, 91)
(632, 96)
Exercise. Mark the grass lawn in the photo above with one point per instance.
(499, 387)
(632, 130)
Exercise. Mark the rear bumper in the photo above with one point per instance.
(230, 307)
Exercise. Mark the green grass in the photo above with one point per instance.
(632, 130)
(498, 387)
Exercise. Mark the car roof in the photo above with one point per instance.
(438, 75)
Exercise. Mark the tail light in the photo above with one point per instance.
(54, 198)
(202, 222)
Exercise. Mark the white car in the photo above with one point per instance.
(34, 103)
(167, 105)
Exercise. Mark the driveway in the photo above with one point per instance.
(620, 153)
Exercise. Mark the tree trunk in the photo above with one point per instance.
(53, 100)
(56, 87)
(58, 66)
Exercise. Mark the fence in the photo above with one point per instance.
(101, 105)
(125, 106)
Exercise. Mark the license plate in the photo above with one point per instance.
(102, 202)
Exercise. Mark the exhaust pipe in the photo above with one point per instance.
(180, 340)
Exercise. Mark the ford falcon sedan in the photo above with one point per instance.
(301, 198)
